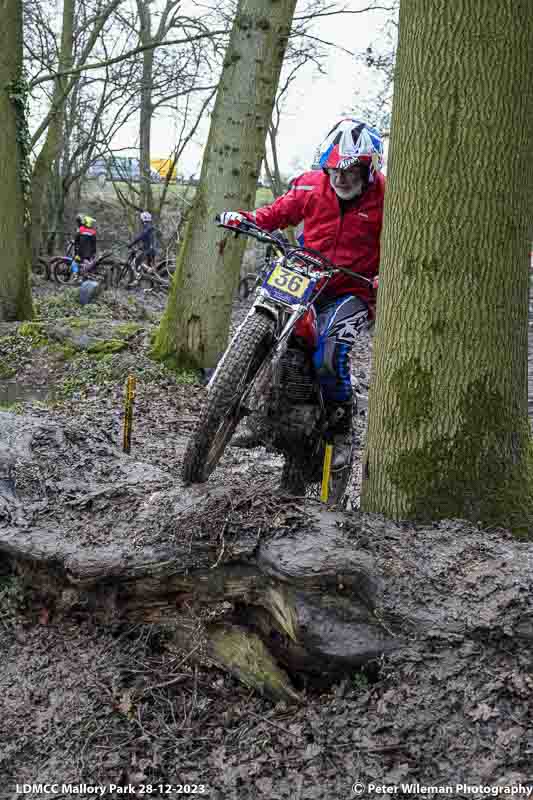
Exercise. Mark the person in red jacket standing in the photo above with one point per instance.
(341, 207)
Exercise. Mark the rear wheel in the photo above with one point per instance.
(305, 477)
(166, 269)
(221, 413)
(150, 279)
(293, 477)
(102, 272)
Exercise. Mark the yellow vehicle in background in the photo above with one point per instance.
(163, 166)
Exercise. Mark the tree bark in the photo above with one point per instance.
(15, 294)
(448, 432)
(195, 325)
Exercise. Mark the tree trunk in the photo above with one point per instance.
(15, 293)
(195, 326)
(146, 111)
(42, 170)
(448, 431)
(273, 172)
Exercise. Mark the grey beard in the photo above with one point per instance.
(349, 194)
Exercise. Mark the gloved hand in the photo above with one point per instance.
(232, 218)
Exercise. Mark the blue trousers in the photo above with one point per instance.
(339, 321)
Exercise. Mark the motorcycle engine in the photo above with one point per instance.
(299, 410)
(297, 382)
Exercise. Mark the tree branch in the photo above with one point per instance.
(124, 56)
(344, 11)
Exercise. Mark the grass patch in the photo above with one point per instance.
(81, 323)
(63, 352)
(88, 372)
(7, 371)
(34, 332)
(360, 682)
(66, 303)
(15, 352)
(127, 330)
(107, 347)
(13, 408)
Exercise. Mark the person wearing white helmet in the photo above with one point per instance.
(341, 207)
(147, 238)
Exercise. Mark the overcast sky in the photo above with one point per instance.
(313, 102)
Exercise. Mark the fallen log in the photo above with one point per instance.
(274, 588)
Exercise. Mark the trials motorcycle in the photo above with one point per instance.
(267, 373)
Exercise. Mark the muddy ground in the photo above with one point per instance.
(122, 704)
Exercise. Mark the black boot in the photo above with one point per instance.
(340, 432)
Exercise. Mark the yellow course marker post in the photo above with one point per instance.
(326, 470)
(128, 413)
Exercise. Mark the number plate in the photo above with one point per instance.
(288, 285)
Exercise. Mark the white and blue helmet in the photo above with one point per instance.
(352, 142)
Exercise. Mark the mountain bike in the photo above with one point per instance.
(66, 271)
(134, 271)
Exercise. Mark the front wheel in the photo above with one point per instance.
(221, 413)
(123, 274)
(166, 269)
(61, 270)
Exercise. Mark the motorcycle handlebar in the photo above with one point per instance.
(307, 254)
(249, 229)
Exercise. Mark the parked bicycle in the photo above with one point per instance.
(134, 271)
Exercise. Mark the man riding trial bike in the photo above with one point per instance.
(341, 208)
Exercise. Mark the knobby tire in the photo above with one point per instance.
(60, 270)
(220, 415)
(296, 479)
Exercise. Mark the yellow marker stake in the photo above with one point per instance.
(326, 469)
(128, 413)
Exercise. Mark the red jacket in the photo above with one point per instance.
(85, 242)
(350, 239)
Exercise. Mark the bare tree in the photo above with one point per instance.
(195, 325)
(380, 58)
(52, 125)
